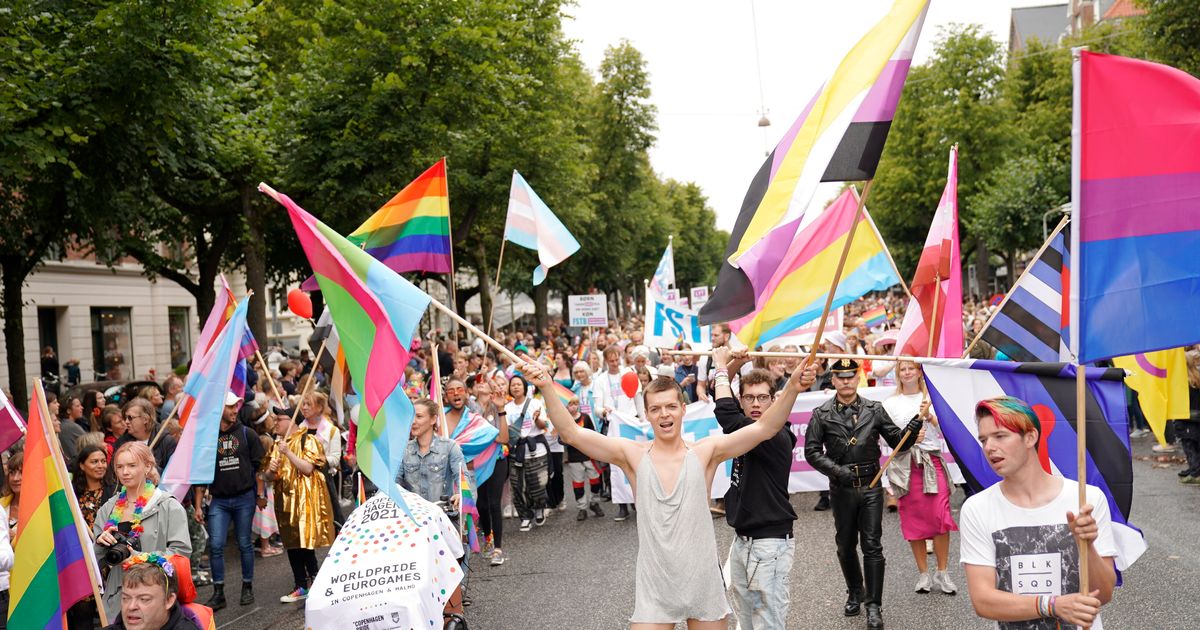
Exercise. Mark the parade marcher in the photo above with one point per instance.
(678, 576)
(431, 462)
(68, 432)
(316, 414)
(918, 477)
(757, 505)
(301, 501)
(143, 426)
(236, 491)
(94, 484)
(585, 480)
(529, 454)
(489, 493)
(842, 442)
(140, 511)
(612, 397)
(1030, 516)
(1189, 430)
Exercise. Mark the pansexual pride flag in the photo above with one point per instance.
(412, 231)
(532, 225)
(1135, 284)
(791, 279)
(50, 570)
(375, 312)
(838, 137)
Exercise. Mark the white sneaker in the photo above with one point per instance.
(509, 511)
(923, 583)
(497, 557)
(941, 579)
(562, 507)
(1159, 448)
(526, 525)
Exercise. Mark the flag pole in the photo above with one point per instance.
(874, 228)
(837, 274)
(267, 371)
(1076, 336)
(475, 330)
(450, 229)
(435, 391)
(85, 539)
(1081, 465)
(163, 427)
(1024, 272)
(308, 384)
(496, 284)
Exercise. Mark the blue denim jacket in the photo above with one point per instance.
(435, 473)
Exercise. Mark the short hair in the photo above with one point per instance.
(661, 384)
(611, 351)
(149, 574)
(141, 452)
(108, 412)
(582, 365)
(1011, 413)
(724, 327)
(758, 376)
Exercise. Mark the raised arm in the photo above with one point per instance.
(596, 446)
(741, 441)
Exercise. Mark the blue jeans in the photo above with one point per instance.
(759, 571)
(240, 509)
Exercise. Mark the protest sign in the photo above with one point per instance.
(386, 570)
(699, 296)
(667, 325)
(588, 310)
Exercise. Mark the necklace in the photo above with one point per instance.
(139, 504)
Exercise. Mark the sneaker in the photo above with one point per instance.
(509, 512)
(488, 546)
(562, 507)
(923, 583)
(497, 557)
(295, 596)
(539, 518)
(581, 516)
(1190, 481)
(597, 510)
(1160, 448)
(941, 579)
(526, 525)
(1137, 433)
(622, 513)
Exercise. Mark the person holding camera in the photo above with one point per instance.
(141, 517)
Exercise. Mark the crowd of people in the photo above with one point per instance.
(284, 464)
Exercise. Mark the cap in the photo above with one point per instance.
(844, 368)
(665, 370)
(232, 399)
(836, 338)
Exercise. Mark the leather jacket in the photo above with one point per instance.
(839, 435)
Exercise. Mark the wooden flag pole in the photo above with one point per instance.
(85, 539)
(475, 330)
(267, 371)
(496, 285)
(163, 426)
(1024, 272)
(837, 274)
(308, 384)
(435, 391)
(1081, 465)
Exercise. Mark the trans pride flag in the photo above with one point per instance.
(532, 225)
(1135, 283)
(375, 312)
(477, 438)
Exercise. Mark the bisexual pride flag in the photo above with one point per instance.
(956, 386)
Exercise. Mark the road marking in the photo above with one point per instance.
(235, 620)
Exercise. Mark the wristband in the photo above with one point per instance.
(719, 372)
(1051, 606)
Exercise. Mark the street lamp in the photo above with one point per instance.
(1063, 209)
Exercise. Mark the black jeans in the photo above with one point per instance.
(491, 520)
(304, 566)
(554, 486)
(1188, 432)
(858, 519)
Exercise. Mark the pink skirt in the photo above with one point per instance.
(923, 516)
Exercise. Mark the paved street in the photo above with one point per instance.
(579, 576)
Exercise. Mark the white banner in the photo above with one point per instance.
(804, 335)
(587, 310)
(386, 570)
(699, 422)
(667, 325)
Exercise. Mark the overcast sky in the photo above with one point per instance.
(704, 79)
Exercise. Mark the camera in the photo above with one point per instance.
(118, 552)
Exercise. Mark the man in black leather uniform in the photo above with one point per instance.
(842, 441)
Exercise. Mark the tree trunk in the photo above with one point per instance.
(541, 299)
(983, 268)
(14, 334)
(256, 269)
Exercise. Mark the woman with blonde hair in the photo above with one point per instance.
(139, 511)
(302, 506)
(918, 477)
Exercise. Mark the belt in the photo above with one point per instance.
(774, 537)
(863, 472)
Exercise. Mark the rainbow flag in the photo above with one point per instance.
(195, 458)
(839, 136)
(51, 566)
(564, 393)
(477, 438)
(792, 287)
(411, 232)
(1135, 208)
(877, 316)
(532, 225)
(375, 312)
(470, 513)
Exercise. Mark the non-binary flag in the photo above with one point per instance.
(1160, 379)
(664, 275)
(376, 312)
(532, 225)
(1135, 284)
(195, 458)
(791, 280)
(51, 565)
(411, 232)
(12, 427)
(935, 308)
(957, 385)
(1029, 325)
(838, 137)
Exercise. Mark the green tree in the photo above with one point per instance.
(1171, 31)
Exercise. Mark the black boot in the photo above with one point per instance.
(217, 601)
(822, 502)
(853, 604)
(247, 594)
(874, 617)
(873, 574)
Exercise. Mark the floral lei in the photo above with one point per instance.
(139, 558)
(139, 504)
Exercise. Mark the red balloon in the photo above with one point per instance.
(299, 303)
(629, 384)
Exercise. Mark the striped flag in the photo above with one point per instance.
(936, 302)
(12, 427)
(877, 316)
(477, 438)
(1029, 325)
(470, 513)
(664, 275)
(838, 137)
(411, 232)
(957, 385)
(532, 225)
(51, 565)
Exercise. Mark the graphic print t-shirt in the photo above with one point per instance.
(1032, 549)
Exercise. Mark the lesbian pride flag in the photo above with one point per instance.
(532, 225)
(1135, 282)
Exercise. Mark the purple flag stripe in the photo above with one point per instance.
(1139, 206)
(881, 100)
